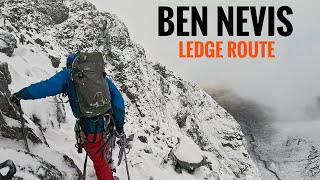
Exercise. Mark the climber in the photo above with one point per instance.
(92, 127)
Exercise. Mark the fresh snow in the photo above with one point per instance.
(188, 151)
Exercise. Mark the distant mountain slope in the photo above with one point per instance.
(278, 155)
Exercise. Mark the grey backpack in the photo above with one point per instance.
(90, 82)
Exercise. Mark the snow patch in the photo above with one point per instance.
(188, 151)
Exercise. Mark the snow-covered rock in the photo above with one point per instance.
(31, 166)
(11, 169)
(159, 105)
(187, 155)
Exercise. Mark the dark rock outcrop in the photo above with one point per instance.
(55, 61)
(4, 69)
(7, 109)
(12, 169)
(143, 139)
(56, 10)
(5, 79)
(39, 41)
(59, 13)
(7, 43)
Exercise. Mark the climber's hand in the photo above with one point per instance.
(120, 132)
(122, 142)
(15, 100)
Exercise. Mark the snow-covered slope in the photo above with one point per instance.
(288, 158)
(285, 150)
(161, 108)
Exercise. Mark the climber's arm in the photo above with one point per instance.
(50, 87)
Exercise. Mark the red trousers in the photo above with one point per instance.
(100, 165)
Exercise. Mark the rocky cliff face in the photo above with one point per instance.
(161, 108)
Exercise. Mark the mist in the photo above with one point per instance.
(289, 84)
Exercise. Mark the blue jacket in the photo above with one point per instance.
(61, 82)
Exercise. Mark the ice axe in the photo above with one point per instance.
(18, 108)
(23, 128)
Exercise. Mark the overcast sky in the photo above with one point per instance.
(288, 82)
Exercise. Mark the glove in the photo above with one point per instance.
(15, 100)
(122, 137)
(120, 130)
